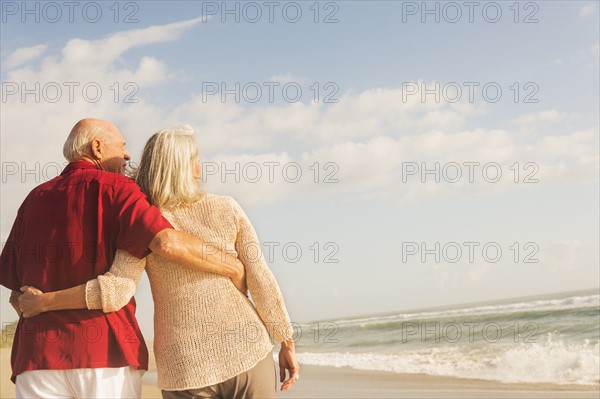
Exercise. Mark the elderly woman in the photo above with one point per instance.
(210, 340)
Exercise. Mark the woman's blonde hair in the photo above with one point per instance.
(166, 171)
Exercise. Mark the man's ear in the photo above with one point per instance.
(96, 148)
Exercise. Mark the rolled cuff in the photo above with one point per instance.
(93, 295)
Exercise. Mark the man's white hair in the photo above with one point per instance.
(80, 139)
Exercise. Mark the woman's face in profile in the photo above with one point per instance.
(197, 169)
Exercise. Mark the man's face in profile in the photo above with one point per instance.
(115, 155)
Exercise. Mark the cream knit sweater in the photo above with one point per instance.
(205, 330)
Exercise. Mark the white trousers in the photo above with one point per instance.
(109, 383)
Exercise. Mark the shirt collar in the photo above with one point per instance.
(78, 165)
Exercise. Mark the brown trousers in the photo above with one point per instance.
(260, 382)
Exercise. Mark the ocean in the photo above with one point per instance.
(547, 339)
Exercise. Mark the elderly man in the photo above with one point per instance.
(67, 232)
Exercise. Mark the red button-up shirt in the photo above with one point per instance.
(67, 232)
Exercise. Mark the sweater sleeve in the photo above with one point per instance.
(261, 282)
(114, 289)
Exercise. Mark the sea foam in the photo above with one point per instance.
(551, 361)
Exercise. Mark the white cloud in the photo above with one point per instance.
(84, 61)
(586, 10)
(356, 117)
(95, 63)
(551, 116)
(24, 55)
(82, 52)
(368, 140)
(394, 169)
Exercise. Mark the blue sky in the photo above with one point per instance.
(375, 61)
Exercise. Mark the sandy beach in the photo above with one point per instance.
(329, 382)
